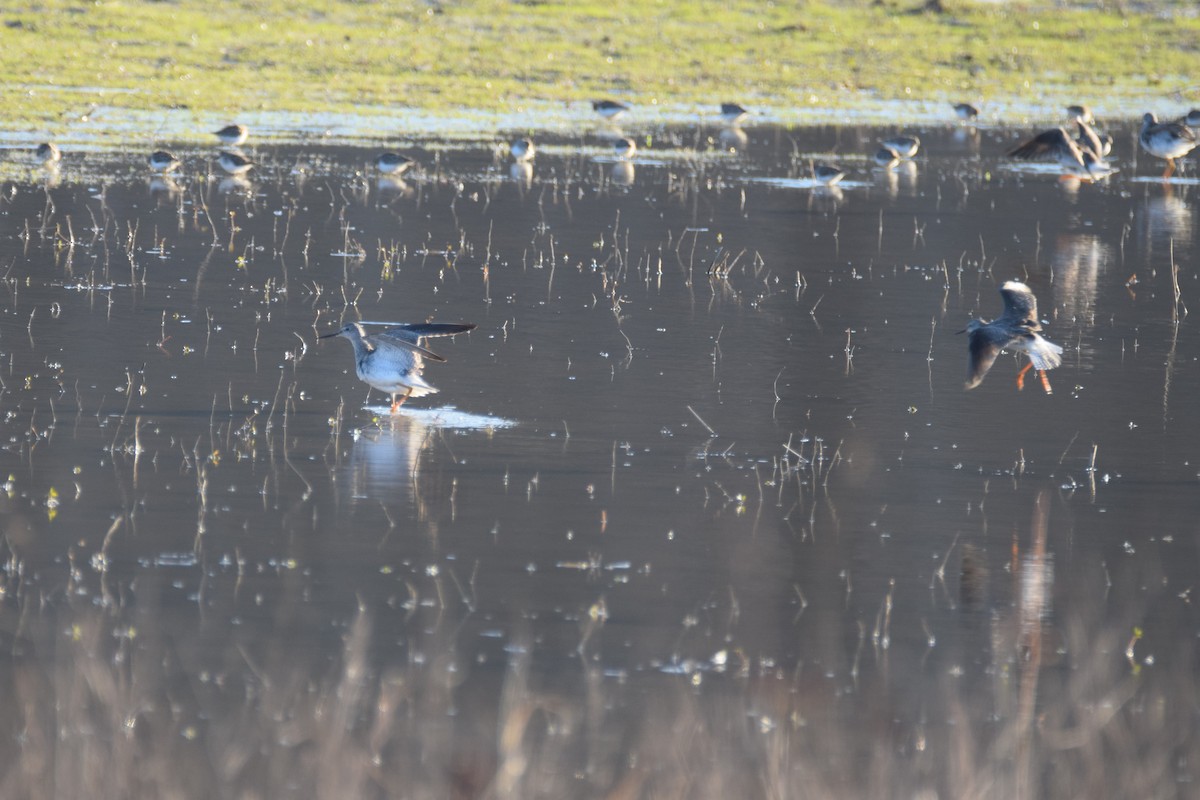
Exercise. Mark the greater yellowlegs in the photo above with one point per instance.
(1192, 120)
(609, 109)
(1076, 160)
(48, 153)
(392, 360)
(1169, 140)
(1017, 328)
(393, 163)
(232, 135)
(905, 146)
(965, 111)
(162, 162)
(733, 113)
(625, 148)
(886, 157)
(522, 149)
(234, 164)
(827, 174)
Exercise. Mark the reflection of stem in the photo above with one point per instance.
(1031, 607)
(1170, 370)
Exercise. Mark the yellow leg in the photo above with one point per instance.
(1045, 381)
(1170, 168)
(397, 403)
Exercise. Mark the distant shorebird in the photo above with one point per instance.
(625, 148)
(232, 135)
(733, 113)
(965, 111)
(827, 174)
(48, 153)
(905, 146)
(234, 164)
(1077, 160)
(1192, 120)
(392, 163)
(162, 162)
(1169, 140)
(1017, 328)
(886, 157)
(522, 149)
(392, 360)
(609, 109)
(1081, 114)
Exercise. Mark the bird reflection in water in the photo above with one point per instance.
(1078, 259)
(521, 173)
(733, 139)
(1164, 222)
(623, 173)
(385, 462)
(234, 184)
(162, 188)
(388, 185)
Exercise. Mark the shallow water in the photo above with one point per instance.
(711, 423)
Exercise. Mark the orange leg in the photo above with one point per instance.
(397, 403)
(1170, 168)
(1045, 381)
(1021, 376)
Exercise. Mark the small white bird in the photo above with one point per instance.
(733, 113)
(625, 148)
(609, 109)
(393, 163)
(234, 164)
(828, 174)
(163, 162)
(886, 157)
(48, 153)
(232, 135)
(905, 146)
(522, 150)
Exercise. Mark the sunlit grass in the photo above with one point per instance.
(59, 58)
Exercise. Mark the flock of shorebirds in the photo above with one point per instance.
(393, 359)
(1081, 155)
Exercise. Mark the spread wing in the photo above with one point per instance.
(410, 336)
(1020, 306)
(1047, 143)
(984, 345)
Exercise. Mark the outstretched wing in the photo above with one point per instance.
(410, 336)
(983, 345)
(1047, 143)
(1020, 306)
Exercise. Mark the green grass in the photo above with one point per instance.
(379, 57)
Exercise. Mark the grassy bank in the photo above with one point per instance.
(60, 58)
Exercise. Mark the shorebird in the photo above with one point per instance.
(522, 150)
(1077, 160)
(733, 113)
(1016, 329)
(48, 153)
(392, 360)
(1192, 120)
(827, 174)
(965, 111)
(625, 148)
(393, 163)
(162, 162)
(609, 109)
(1169, 140)
(1081, 114)
(232, 135)
(234, 164)
(905, 146)
(886, 157)
(1099, 143)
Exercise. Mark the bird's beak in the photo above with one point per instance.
(329, 335)
(956, 333)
